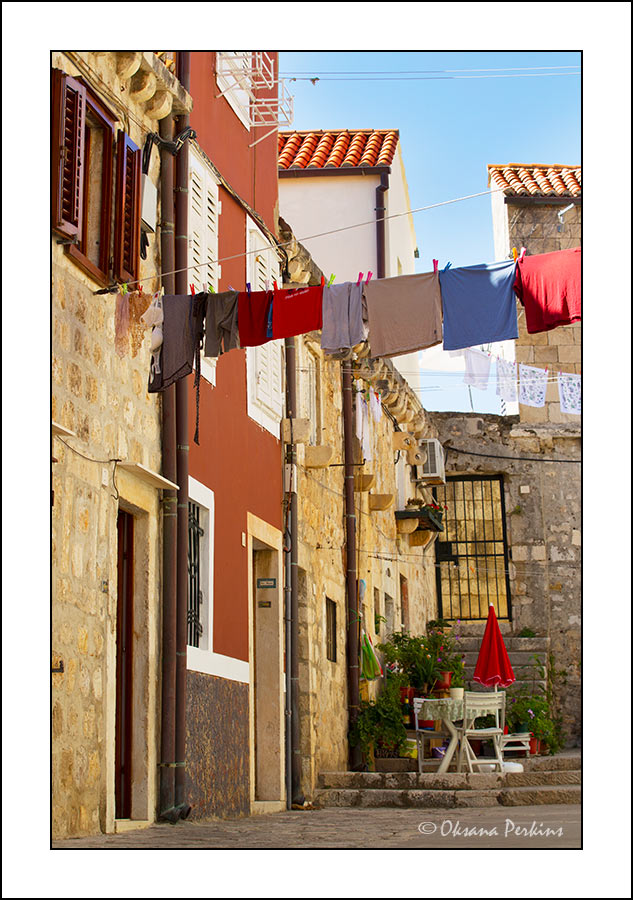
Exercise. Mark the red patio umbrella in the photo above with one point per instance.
(493, 665)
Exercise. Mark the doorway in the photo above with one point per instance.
(124, 666)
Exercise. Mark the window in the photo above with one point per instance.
(85, 187)
(330, 629)
(264, 364)
(195, 594)
(204, 213)
(377, 616)
(310, 390)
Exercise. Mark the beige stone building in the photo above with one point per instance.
(529, 532)
(106, 445)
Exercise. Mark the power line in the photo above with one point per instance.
(429, 71)
(111, 288)
(316, 78)
(517, 458)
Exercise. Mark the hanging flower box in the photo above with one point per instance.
(429, 518)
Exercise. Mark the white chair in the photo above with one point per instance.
(422, 734)
(475, 705)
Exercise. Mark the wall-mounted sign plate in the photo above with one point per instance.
(265, 604)
(266, 582)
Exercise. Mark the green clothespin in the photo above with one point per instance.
(124, 288)
(331, 281)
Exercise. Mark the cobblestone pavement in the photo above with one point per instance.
(509, 828)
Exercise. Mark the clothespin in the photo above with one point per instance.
(369, 274)
(514, 253)
(435, 265)
(123, 288)
(447, 267)
(192, 288)
(331, 281)
(248, 287)
(523, 252)
(322, 280)
(140, 288)
(360, 278)
(267, 285)
(275, 285)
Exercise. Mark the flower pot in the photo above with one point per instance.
(522, 728)
(535, 746)
(443, 682)
(457, 693)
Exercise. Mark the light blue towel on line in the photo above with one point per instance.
(479, 305)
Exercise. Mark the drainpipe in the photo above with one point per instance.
(182, 459)
(381, 232)
(169, 504)
(293, 746)
(351, 580)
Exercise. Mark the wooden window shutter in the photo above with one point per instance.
(68, 134)
(127, 234)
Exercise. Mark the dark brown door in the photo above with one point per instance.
(124, 634)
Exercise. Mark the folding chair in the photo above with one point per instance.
(422, 734)
(475, 705)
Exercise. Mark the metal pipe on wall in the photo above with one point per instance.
(381, 232)
(169, 502)
(351, 579)
(293, 663)
(182, 458)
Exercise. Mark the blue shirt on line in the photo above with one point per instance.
(479, 305)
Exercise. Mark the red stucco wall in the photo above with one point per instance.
(237, 459)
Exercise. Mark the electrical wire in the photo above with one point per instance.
(517, 458)
(114, 459)
(281, 244)
(431, 71)
(316, 78)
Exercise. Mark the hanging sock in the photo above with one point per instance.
(532, 385)
(507, 380)
(570, 393)
(477, 368)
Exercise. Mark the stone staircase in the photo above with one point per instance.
(520, 651)
(545, 780)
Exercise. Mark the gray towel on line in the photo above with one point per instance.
(221, 324)
(342, 316)
(405, 313)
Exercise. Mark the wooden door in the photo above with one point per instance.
(124, 666)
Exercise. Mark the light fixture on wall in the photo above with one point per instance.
(561, 226)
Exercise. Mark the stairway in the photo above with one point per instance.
(520, 651)
(545, 780)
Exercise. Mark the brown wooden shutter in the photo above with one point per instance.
(127, 234)
(68, 132)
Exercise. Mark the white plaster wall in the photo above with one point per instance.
(401, 239)
(314, 205)
(500, 225)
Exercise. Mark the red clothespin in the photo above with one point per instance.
(523, 252)
(322, 280)
(360, 278)
(275, 285)
(436, 263)
(369, 274)
(192, 288)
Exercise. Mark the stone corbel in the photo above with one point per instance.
(363, 481)
(406, 526)
(318, 457)
(421, 538)
(128, 63)
(159, 106)
(143, 86)
(380, 502)
(402, 440)
(295, 430)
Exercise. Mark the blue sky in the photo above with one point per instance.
(450, 130)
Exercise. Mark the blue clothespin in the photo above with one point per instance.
(447, 267)
(248, 287)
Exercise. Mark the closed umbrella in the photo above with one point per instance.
(493, 665)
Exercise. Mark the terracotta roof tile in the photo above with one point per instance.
(336, 149)
(537, 181)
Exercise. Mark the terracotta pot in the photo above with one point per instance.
(443, 683)
(535, 746)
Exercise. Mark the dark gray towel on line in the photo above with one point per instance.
(183, 324)
(221, 324)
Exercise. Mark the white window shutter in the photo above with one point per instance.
(197, 231)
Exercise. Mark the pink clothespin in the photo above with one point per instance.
(267, 285)
(436, 263)
(360, 278)
(523, 252)
(369, 274)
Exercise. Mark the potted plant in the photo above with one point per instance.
(379, 729)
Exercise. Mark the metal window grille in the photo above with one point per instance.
(330, 617)
(472, 557)
(194, 596)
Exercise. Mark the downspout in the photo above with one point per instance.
(351, 579)
(293, 744)
(381, 231)
(169, 504)
(182, 459)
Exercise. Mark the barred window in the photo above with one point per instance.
(195, 596)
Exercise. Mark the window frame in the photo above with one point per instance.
(101, 272)
(331, 636)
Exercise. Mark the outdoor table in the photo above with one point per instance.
(449, 711)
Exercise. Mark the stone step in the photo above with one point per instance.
(517, 658)
(449, 781)
(536, 778)
(446, 799)
(536, 685)
(539, 645)
(566, 761)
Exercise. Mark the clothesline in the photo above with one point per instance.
(113, 287)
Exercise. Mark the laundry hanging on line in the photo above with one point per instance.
(477, 368)
(549, 287)
(405, 314)
(478, 304)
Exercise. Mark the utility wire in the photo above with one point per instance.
(311, 237)
(430, 71)
(518, 458)
(316, 78)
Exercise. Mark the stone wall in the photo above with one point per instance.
(384, 558)
(542, 500)
(559, 350)
(103, 400)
